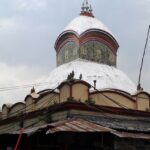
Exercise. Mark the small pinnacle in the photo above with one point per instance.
(82, 7)
(86, 2)
(33, 90)
(86, 9)
(90, 10)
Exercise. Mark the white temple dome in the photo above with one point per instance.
(83, 23)
(107, 77)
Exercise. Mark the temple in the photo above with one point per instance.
(89, 103)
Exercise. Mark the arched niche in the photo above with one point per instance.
(46, 100)
(76, 89)
(142, 101)
(94, 45)
(113, 98)
(65, 91)
(80, 90)
(16, 109)
(5, 110)
(30, 103)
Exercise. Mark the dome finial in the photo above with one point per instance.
(83, 8)
(90, 9)
(86, 9)
(33, 90)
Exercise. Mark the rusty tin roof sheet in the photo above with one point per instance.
(31, 130)
(76, 125)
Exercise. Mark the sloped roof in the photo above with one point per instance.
(119, 122)
(76, 125)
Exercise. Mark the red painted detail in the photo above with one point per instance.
(79, 106)
(85, 38)
(19, 139)
(86, 14)
(64, 35)
(101, 36)
(109, 109)
(66, 41)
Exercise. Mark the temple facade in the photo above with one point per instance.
(87, 38)
(88, 104)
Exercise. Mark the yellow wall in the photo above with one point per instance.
(30, 105)
(80, 92)
(48, 100)
(143, 102)
(123, 100)
(17, 109)
(4, 112)
(64, 92)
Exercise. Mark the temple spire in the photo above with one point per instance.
(86, 9)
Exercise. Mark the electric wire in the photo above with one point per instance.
(30, 105)
(27, 106)
(22, 86)
(22, 115)
(109, 98)
(142, 61)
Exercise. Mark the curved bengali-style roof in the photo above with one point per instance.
(83, 23)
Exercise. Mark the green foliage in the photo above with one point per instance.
(80, 77)
(90, 101)
(71, 99)
(55, 102)
(71, 76)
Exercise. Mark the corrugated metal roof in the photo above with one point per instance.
(76, 125)
(131, 135)
(32, 130)
(118, 122)
(80, 125)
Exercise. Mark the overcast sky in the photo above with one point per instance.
(29, 28)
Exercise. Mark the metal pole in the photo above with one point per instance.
(20, 132)
(19, 139)
(139, 84)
